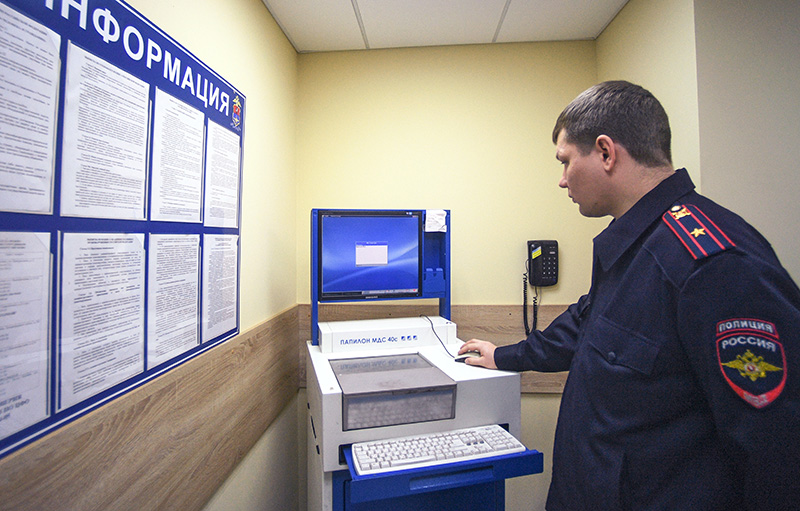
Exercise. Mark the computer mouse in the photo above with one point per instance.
(466, 355)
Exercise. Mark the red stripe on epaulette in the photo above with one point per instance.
(698, 233)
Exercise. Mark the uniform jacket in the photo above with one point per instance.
(683, 366)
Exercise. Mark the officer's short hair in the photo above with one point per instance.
(627, 113)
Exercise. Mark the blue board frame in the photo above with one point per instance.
(115, 32)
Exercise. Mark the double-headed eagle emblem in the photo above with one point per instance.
(751, 366)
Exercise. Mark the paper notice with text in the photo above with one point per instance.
(104, 155)
(177, 160)
(25, 277)
(222, 177)
(102, 313)
(220, 284)
(173, 306)
(29, 69)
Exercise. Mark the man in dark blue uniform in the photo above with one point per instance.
(683, 358)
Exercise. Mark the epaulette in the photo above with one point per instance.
(697, 232)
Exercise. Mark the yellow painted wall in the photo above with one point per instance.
(652, 43)
(467, 128)
(748, 76)
(240, 41)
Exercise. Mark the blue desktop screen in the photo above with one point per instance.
(369, 254)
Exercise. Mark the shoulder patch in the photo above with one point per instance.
(752, 359)
(696, 231)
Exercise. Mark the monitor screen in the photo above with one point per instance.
(369, 254)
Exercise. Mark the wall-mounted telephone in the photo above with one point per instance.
(541, 270)
(543, 262)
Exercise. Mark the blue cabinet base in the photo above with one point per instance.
(477, 485)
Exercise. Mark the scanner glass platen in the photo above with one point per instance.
(391, 390)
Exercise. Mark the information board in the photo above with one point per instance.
(120, 205)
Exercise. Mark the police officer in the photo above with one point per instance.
(683, 388)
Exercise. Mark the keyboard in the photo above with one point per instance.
(379, 456)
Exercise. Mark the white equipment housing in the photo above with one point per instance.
(404, 365)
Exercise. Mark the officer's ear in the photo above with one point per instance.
(607, 150)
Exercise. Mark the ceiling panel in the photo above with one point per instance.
(430, 22)
(557, 20)
(331, 25)
(318, 25)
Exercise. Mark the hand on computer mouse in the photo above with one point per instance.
(467, 354)
(485, 351)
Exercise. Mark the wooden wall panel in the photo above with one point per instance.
(501, 324)
(172, 442)
(168, 444)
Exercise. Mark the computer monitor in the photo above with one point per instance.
(368, 254)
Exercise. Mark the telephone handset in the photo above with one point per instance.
(542, 270)
(543, 262)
